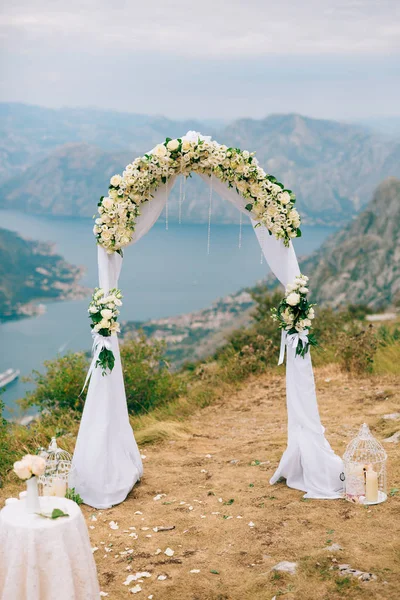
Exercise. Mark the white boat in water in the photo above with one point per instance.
(8, 377)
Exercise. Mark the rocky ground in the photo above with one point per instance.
(204, 523)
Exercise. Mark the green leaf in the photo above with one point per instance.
(249, 207)
(229, 502)
(298, 232)
(214, 572)
(57, 513)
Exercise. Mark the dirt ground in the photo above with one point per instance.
(230, 526)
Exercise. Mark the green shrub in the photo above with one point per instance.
(148, 380)
(59, 386)
(356, 348)
(6, 456)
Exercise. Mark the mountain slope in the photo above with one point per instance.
(30, 271)
(333, 167)
(361, 263)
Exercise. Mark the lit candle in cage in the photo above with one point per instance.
(371, 485)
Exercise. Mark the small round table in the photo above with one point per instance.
(46, 559)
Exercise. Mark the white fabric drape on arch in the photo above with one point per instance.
(107, 462)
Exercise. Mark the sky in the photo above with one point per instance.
(205, 59)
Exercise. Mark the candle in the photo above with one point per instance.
(371, 485)
(60, 487)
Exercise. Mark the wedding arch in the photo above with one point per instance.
(107, 462)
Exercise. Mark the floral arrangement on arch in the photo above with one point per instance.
(266, 198)
(295, 314)
(103, 312)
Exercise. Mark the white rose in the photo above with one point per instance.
(311, 313)
(104, 324)
(108, 203)
(115, 328)
(160, 150)
(105, 235)
(93, 309)
(106, 313)
(38, 465)
(115, 180)
(173, 145)
(303, 290)
(22, 469)
(246, 154)
(293, 299)
(306, 323)
(284, 198)
(97, 327)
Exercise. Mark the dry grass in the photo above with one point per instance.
(249, 426)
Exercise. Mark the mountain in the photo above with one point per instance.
(30, 133)
(332, 167)
(361, 263)
(59, 161)
(30, 271)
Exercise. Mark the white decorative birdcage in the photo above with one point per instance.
(365, 469)
(54, 481)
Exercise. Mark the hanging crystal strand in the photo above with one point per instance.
(240, 229)
(209, 215)
(166, 205)
(180, 194)
(180, 199)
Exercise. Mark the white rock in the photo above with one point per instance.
(94, 549)
(91, 527)
(159, 496)
(136, 589)
(162, 577)
(138, 512)
(286, 567)
(208, 455)
(195, 571)
(251, 524)
(150, 597)
(158, 551)
(333, 548)
(203, 471)
(93, 518)
(169, 552)
(393, 439)
(392, 416)
(113, 525)
(103, 594)
(134, 535)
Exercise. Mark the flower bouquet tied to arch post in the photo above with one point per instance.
(295, 315)
(103, 312)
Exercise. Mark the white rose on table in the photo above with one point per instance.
(22, 469)
(106, 313)
(115, 180)
(293, 299)
(38, 465)
(173, 145)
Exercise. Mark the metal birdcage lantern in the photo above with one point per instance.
(54, 481)
(365, 469)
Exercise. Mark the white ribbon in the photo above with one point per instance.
(292, 340)
(99, 343)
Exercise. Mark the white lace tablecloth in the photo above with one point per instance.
(44, 559)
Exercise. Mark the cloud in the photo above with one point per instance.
(209, 29)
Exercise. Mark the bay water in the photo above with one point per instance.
(168, 272)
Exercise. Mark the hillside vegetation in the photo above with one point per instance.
(361, 263)
(31, 271)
